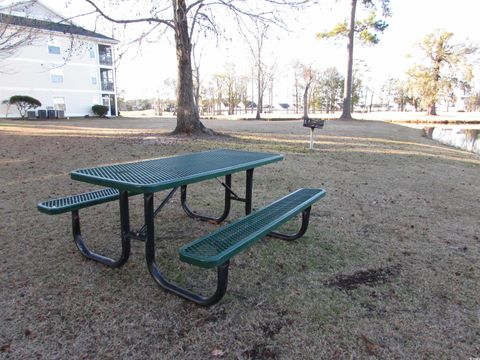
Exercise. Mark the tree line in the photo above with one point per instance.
(443, 68)
(442, 73)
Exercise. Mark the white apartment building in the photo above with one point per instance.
(66, 67)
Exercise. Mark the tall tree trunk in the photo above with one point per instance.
(347, 91)
(432, 108)
(296, 94)
(188, 119)
(260, 92)
(371, 102)
(231, 99)
(305, 102)
(196, 80)
(197, 88)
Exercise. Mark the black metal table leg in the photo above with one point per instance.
(248, 192)
(300, 233)
(226, 209)
(140, 234)
(125, 226)
(222, 270)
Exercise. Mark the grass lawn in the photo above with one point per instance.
(389, 267)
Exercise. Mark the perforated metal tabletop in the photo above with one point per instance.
(149, 176)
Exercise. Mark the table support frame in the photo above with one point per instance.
(125, 236)
(147, 234)
(300, 233)
(222, 270)
(227, 206)
(229, 196)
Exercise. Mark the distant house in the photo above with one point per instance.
(247, 105)
(67, 67)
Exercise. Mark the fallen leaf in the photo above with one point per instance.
(217, 353)
(5, 348)
(371, 346)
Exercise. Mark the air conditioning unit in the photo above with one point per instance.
(31, 114)
(60, 114)
(42, 114)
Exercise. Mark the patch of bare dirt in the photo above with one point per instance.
(370, 277)
(260, 352)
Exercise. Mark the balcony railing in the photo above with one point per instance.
(108, 86)
(105, 59)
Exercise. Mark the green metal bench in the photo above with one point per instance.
(216, 249)
(76, 202)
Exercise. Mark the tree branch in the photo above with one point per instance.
(168, 23)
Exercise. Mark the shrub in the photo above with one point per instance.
(100, 110)
(24, 103)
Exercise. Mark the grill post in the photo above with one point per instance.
(313, 124)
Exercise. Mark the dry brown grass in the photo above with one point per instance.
(388, 268)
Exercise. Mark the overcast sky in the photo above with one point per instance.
(142, 74)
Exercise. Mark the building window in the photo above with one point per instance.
(59, 103)
(91, 51)
(56, 75)
(106, 78)
(105, 55)
(57, 79)
(52, 49)
(93, 78)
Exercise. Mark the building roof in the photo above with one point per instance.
(52, 26)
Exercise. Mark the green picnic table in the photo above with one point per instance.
(147, 177)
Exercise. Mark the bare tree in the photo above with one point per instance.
(184, 20)
(296, 87)
(208, 98)
(227, 84)
(197, 58)
(13, 37)
(309, 76)
(231, 84)
(305, 77)
(242, 85)
(220, 86)
(255, 37)
(331, 83)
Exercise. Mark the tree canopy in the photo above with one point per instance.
(366, 30)
(24, 103)
(443, 65)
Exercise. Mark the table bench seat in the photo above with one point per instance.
(76, 202)
(219, 246)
